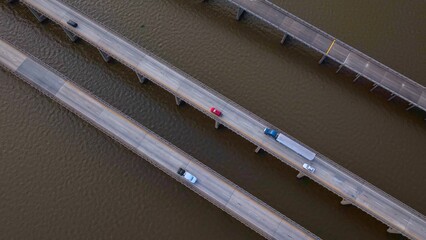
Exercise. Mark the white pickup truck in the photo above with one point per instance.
(189, 177)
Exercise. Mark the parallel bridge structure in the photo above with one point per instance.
(210, 185)
(362, 65)
(353, 190)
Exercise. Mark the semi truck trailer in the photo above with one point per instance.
(290, 143)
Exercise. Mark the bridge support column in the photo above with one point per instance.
(300, 175)
(240, 13)
(284, 38)
(374, 87)
(391, 97)
(178, 101)
(216, 124)
(340, 67)
(40, 17)
(345, 202)
(410, 107)
(105, 55)
(141, 78)
(356, 78)
(322, 59)
(258, 149)
(71, 35)
(391, 230)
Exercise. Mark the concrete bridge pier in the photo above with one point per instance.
(178, 101)
(240, 13)
(71, 35)
(391, 97)
(374, 87)
(340, 67)
(300, 175)
(105, 55)
(284, 38)
(356, 78)
(40, 17)
(141, 78)
(216, 124)
(258, 149)
(410, 106)
(345, 202)
(391, 230)
(322, 59)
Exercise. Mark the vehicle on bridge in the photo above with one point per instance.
(72, 23)
(290, 143)
(215, 111)
(189, 177)
(309, 167)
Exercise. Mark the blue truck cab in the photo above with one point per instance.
(271, 132)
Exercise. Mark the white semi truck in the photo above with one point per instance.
(288, 142)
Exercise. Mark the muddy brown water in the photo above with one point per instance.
(62, 178)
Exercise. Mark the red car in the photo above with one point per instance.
(216, 112)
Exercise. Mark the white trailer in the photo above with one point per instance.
(301, 150)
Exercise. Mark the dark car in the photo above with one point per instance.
(72, 23)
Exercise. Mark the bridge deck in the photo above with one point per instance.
(335, 49)
(210, 185)
(370, 199)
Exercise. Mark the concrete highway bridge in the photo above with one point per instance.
(353, 190)
(210, 185)
(330, 47)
